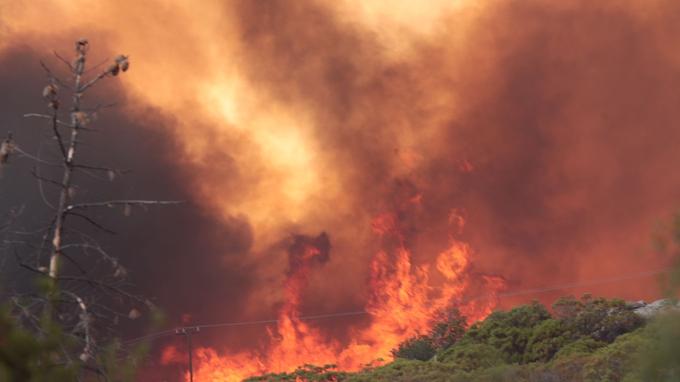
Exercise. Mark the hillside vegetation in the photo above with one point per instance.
(587, 339)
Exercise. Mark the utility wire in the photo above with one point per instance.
(553, 288)
(585, 283)
(306, 318)
(169, 332)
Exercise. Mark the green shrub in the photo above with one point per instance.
(499, 373)
(582, 346)
(660, 359)
(566, 308)
(25, 357)
(307, 373)
(443, 334)
(419, 348)
(402, 370)
(510, 331)
(547, 338)
(599, 318)
(613, 362)
(471, 356)
(588, 340)
(448, 331)
(567, 367)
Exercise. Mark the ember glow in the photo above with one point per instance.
(396, 157)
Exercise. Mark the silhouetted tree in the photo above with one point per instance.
(92, 293)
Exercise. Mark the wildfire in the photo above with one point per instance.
(297, 116)
(403, 302)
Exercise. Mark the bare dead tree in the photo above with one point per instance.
(93, 291)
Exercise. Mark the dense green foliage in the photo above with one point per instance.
(25, 357)
(29, 357)
(420, 348)
(587, 339)
(309, 373)
(445, 332)
(509, 332)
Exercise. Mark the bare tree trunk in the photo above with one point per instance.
(64, 196)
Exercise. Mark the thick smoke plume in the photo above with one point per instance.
(549, 129)
(306, 250)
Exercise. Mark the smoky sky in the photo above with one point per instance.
(568, 116)
(552, 128)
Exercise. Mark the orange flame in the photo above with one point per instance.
(403, 302)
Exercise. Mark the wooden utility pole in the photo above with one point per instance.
(187, 331)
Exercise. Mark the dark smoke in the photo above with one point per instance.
(305, 249)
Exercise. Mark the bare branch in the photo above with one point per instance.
(55, 129)
(52, 77)
(47, 116)
(30, 268)
(111, 203)
(100, 168)
(87, 280)
(74, 262)
(59, 122)
(96, 248)
(41, 188)
(83, 325)
(101, 106)
(93, 81)
(36, 159)
(43, 179)
(65, 61)
(104, 286)
(98, 65)
(33, 232)
(94, 175)
(91, 221)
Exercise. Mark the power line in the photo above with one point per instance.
(553, 288)
(305, 318)
(584, 283)
(169, 332)
(149, 337)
